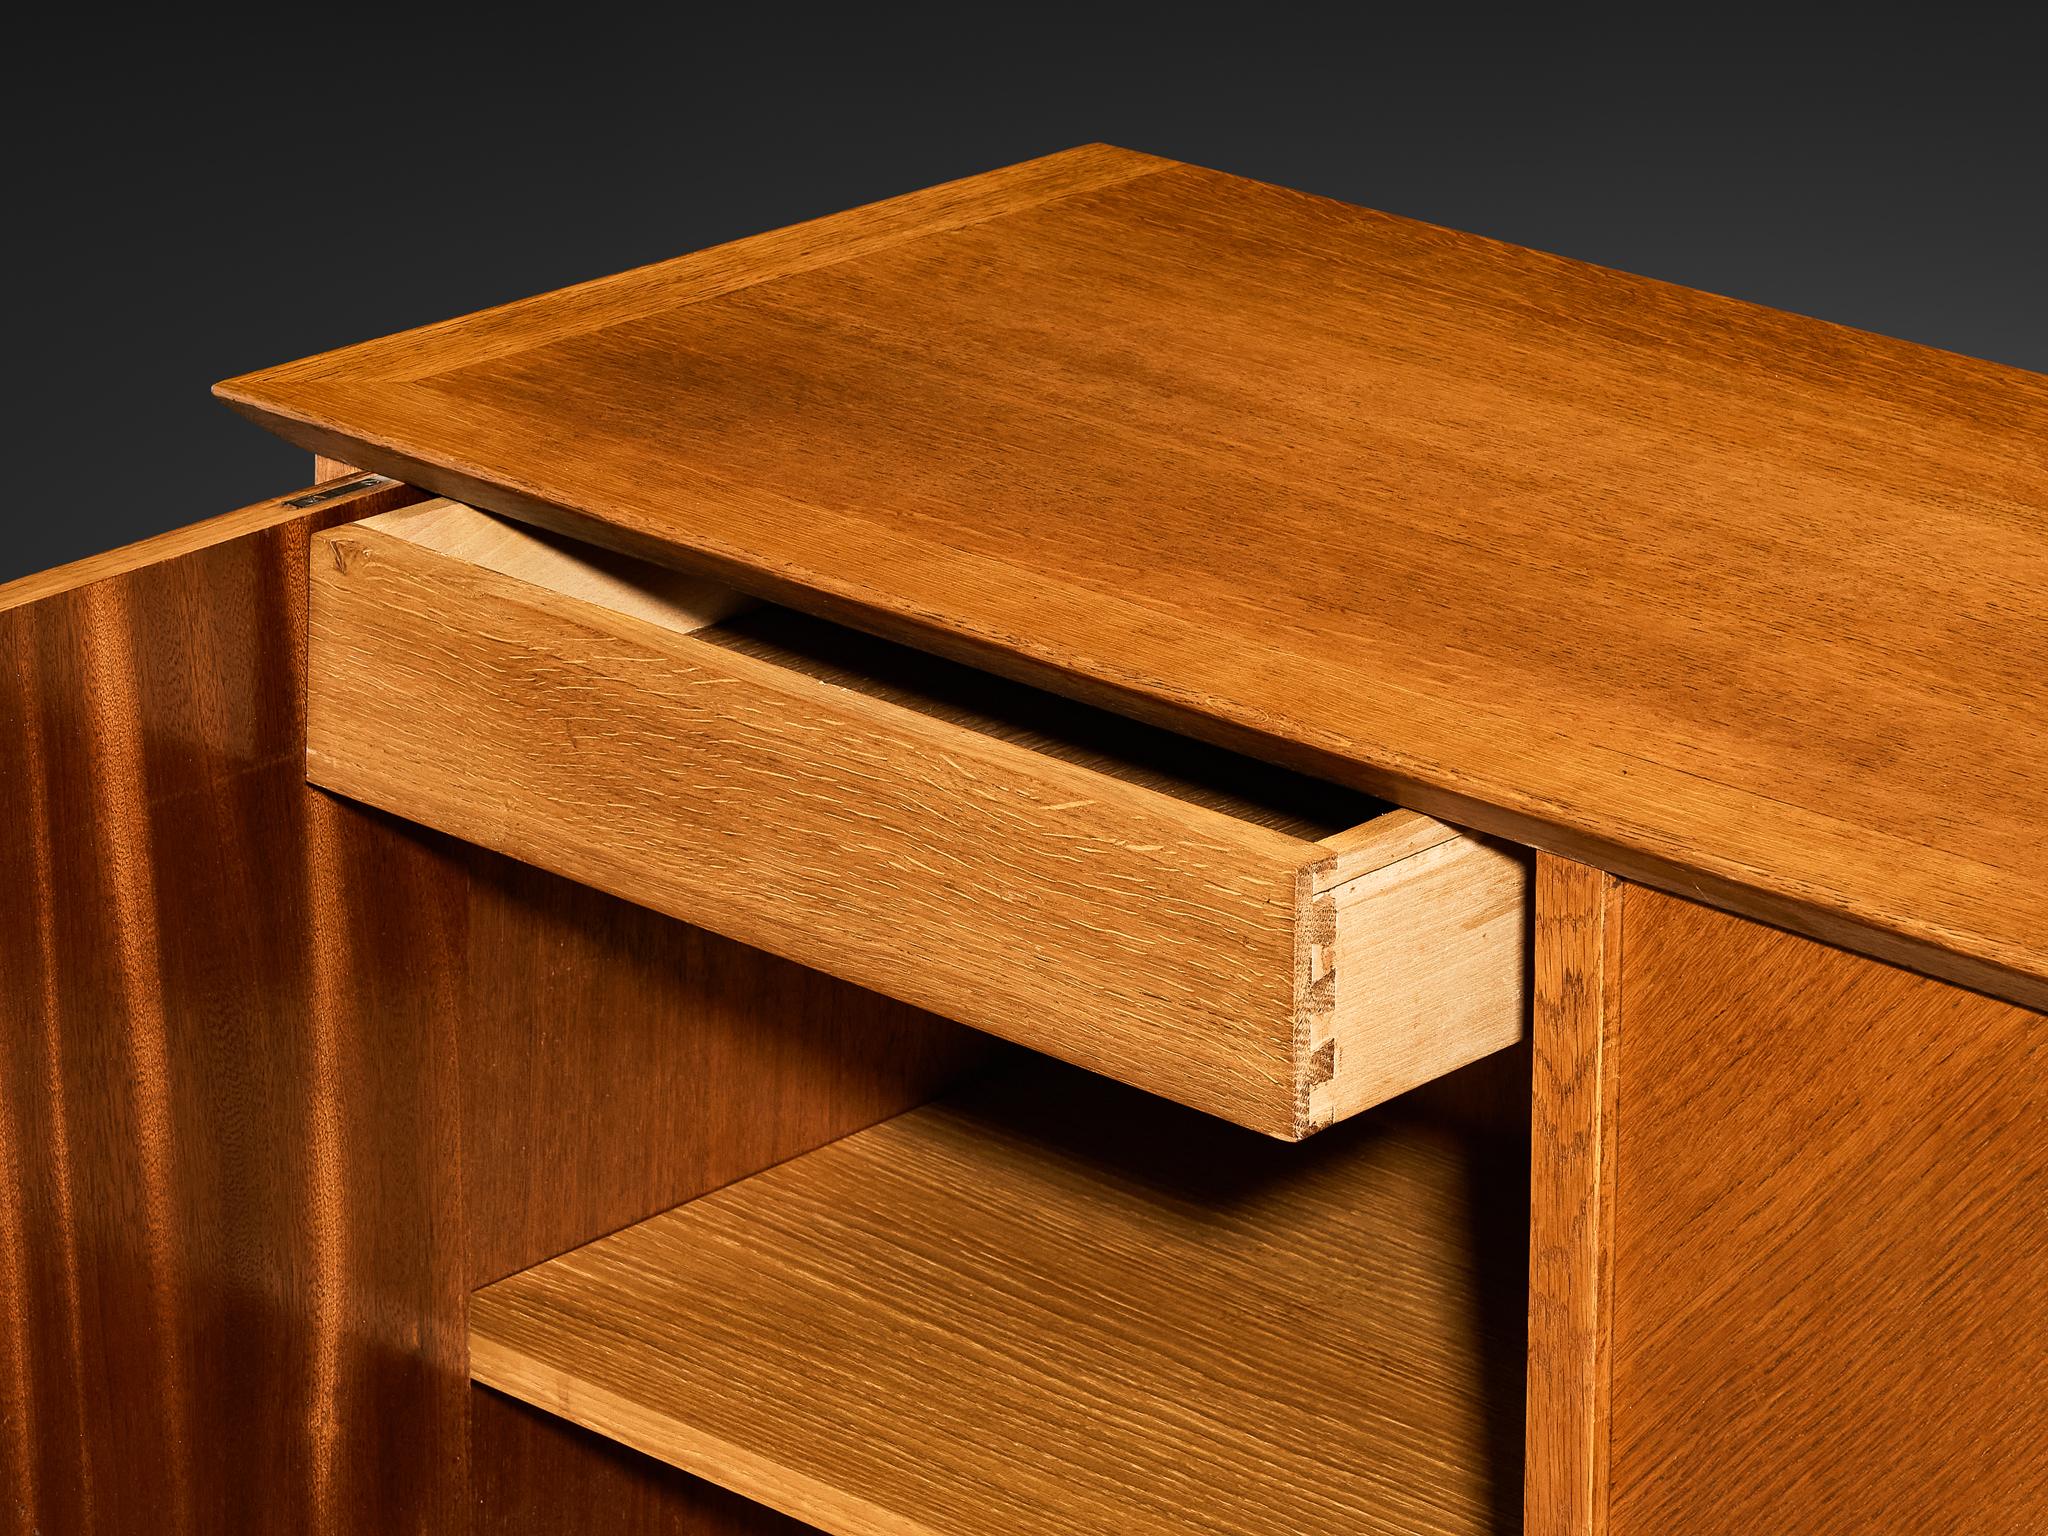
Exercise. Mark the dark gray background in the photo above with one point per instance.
(190, 207)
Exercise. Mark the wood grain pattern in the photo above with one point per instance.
(1576, 1078)
(1830, 1262)
(616, 1062)
(244, 1188)
(227, 1093)
(620, 1062)
(533, 1474)
(1728, 600)
(1430, 965)
(982, 1317)
(1144, 938)
(1158, 940)
(709, 274)
(651, 593)
(344, 499)
(1160, 760)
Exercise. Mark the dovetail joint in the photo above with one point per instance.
(1315, 999)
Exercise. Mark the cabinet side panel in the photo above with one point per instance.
(618, 1062)
(1831, 1262)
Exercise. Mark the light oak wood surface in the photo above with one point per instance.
(1575, 1085)
(1173, 765)
(653, 593)
(1111, 1315)
(1217, 960)
(1729, 600)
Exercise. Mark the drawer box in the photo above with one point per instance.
(1258, 945)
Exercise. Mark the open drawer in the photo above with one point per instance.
(1253, 943)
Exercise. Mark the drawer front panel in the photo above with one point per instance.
(1103, 923)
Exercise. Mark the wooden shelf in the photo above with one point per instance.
(1116, 1315)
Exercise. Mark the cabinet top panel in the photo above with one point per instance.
(1735, 601)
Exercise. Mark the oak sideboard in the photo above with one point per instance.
(1100, 850)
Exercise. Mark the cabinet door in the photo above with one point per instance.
(1790, 1266)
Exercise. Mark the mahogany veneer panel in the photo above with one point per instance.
(1113, 1316)
(228, 1015)
(619, 1061)
(281, 1079)
(534, 1475)
(1727, 599)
